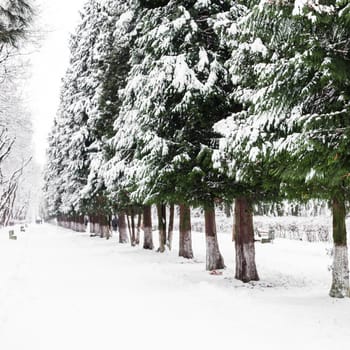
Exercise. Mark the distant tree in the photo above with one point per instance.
(88, 107)
(53, 173)
(112, 45)
(15, 135)
(74, 139)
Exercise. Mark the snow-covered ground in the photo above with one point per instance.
(65, 290)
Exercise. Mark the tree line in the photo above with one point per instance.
(198, 103)
(16, 17)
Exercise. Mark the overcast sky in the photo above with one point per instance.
(57, 18)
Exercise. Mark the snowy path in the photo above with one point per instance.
(65, 290)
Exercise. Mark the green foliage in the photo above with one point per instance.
(177, 89)
(198, 102)
(293, 82)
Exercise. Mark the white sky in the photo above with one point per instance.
(58, 18)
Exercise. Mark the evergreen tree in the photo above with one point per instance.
(52, 174)
(74, 139)
(88, 107)
(177, 89)
(291, 64)
(112, 44)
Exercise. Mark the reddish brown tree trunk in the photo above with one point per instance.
(185, 242)
(244, 241)
(214, 259)
(161, 210)
(123, 236)
(147, 227)
(169, 240)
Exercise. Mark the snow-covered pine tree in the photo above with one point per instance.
(78, 102)
(52, 174)
(112, 46)
(177, 89)
(15, 16)
(291, 63)
(117, 170)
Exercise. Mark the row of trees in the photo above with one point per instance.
(15, 126)
(196, 103)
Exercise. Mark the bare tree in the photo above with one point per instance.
(15, 126)
(8, 185)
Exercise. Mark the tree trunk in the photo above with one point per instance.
(161, 210)
(108, 232)
(123, 235)
(169, 240)
(76, 223)
(77, 226)
(129, 228)
(147, 227)
(133, 231)
(101, 225)
(244, 241)
(340, 270)
(185, 243)
(138, 227)
(96, 225)
(214, 260)
(82, 224)
(79, 223)
(92, 225)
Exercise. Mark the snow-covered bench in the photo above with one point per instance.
(12, 234)
(264, 236)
